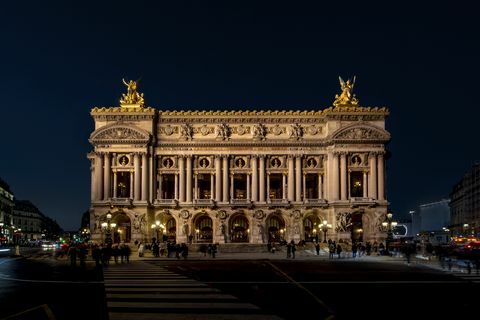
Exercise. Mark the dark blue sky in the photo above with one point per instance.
(60, 59)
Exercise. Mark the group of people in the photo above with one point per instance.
(167, 249)
(100, 253)
(210, 249)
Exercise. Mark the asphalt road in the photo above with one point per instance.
(41, 287)
(346, 289)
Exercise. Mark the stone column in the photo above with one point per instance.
(114, 185)
(136, 185)
(261, 177)
(132, 196)
(188, 185)
(231, 187)
(212, 186)
(335, 177)
(284, 186)
(98, 177)
(268, 186)
(372, 185)
(320, 186)
(349, 184)
(248, 187)
(291, 179)
(343, 176)
(106, 176)
(304, 187)
(92, 182)
(176, 187)
(181, 182)
(195, 190)
(365, 184)
(144, 177)
(152, 181)
(381, 177)
(160, 187)
(254, 178)
(298, 178)
(218, 179)
(225, 178)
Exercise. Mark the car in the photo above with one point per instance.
(48, 245)
(5, 251)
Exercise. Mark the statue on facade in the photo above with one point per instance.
(295, 131)
(132, 96)
(259, 131)
(346, 98)
(344, 222)
(186, 131)
(185, 228)
(222, 131)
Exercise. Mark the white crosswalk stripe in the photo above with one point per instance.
(472, 277)
(143, 292)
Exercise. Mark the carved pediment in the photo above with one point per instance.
(119, 134)
(361, 132)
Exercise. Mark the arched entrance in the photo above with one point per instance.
(310, 228)
(357, 227)
(203, 229)
(123, 231)
(171, 227)
(239, 228)
(275, 228)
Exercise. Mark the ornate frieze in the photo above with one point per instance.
(119, 134)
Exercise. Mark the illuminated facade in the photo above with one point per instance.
(238, 176)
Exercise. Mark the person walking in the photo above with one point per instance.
(214, 250)
(72, 253)
(339, 250)
(354, 250)
(317, 248)
(289, 250)
(184, 251)
(331, 250)
(96, 255)
(293, 249)
(141, 249)
(127, 252)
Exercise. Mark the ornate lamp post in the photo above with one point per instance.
(324, 226)
(158, 227)
(107, 227)
(388, 225)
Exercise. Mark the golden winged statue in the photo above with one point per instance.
(132, 97)
(346, 98)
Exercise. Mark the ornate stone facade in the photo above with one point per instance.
(239, 176)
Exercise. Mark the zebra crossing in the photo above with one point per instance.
(471, 277)
(143, 292)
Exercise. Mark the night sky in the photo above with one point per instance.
(58, 60)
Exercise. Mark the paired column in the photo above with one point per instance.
(231, 187)
(284, 186)
(181, 182)
(320, 186)
(98, 177)
(114, 185)
(268, 186)
(144, 177)
(343, 176)
(131, 184)
(176, 187)
(218, 179)
(195, 190)
(372, 185)
(381, 177)
(106, 176)
(160, 187)
(365, 195)
(188, 185)
(291, 179)
(212, 176)
(136, 184)
(254, 178)
(248, 186)
(261, 176)
(335, 177)
(225, 179)
(298, 178)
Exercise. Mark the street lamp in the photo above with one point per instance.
(107, 227)
(324, 227)
(388, 226)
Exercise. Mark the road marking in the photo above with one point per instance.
(45, 307)
(300, 286)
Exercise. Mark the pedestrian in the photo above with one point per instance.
(273, 247)
(184, 251)
(141, 249)
(214, 250)
(293, 249)
(469, 267)
(82, 255)
(203, 249)
(408, 253)
(331, 250)
(289, 250)
(339, 250)
(116, 253)
(317, 248)
(269, 246)
(209, 250)
(72, 253)
(449, 263)
(354, 250)
(127, 251)
(178, 249)
(96, 255)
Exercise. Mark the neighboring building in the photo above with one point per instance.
(465, 204)
(238, 176)
(29, 219)
(431, 217)
(6, 212)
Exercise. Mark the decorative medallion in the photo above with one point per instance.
(204, 130)
(185, 214)
(277, 130)
(169, 130)
(313, 130)
(241, 130)
(259, 214)
(222, 214)
(123, 160)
